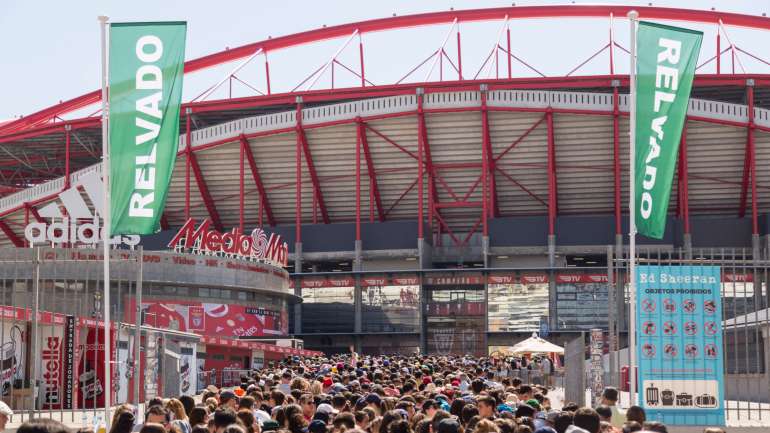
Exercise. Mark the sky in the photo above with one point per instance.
(51, 48)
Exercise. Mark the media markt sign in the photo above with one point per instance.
(256, 246)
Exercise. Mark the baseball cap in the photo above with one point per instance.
(270, 425)
(226, 395)
(373, 398)
(326, 408)
(5, 410)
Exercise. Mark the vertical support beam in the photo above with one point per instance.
(484, 162)
(420, 170)
(612, 45)
(187, 149)
(426, 158)
(298, 176)
(264, 203)
(459, 55)
(241, 186)
(684, 192)
(753, 162)
(67, 144)
(508, 47)
(267, 73)
(361, 59)
(719, 53)
(551, 174)
(359, 131)
(616, 155)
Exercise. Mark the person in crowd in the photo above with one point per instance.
(155, 414)
(198, 415)
(123, 423)
(178, 415)
(42, 425)
(636, 413)
(586, 419)
(610, 398)
(5, 414)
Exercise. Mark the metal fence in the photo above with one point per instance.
(51, 334)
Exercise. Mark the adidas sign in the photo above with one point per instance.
(68, 229)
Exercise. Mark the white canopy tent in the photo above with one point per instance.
(535, 344)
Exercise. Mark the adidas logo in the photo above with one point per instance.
(65, 227)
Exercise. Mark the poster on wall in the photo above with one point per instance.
(188, 377)
(226, 320)
(679, 322)
(12, 351)
(52, 360)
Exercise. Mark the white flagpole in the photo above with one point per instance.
(106, 226)
(632, 18)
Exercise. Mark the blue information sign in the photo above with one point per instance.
(679, 350)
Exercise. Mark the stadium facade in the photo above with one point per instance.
(450, 215)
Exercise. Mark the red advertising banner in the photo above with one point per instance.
(374, 281)
(534, 279)
(581, 278)
(730, 277)
(406, 280)
(226, 320)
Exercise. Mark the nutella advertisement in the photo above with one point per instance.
(12, 350)
(226, 320)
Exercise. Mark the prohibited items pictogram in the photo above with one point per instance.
(670, 350)
(648, 305)
(691, 351)
(690, 328)
(648, 328)
(710, 350)
(709, 306)
(688, 306)
(669, 328)
(710, 328)
(648, 350)
(669, 306)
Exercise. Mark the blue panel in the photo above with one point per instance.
(679, 351)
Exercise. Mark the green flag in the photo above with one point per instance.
(145, 79)
(666, 58)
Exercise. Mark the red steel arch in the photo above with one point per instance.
(396, 22)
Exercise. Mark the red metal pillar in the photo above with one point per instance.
(551, 174)
(616, 158)
(683, 181)
(67, 143)
(753, 161)
(188, 154)
(298, 174)
(361, 59)
(420, 174)
(459, 55)
(485, 163)
(508, 42)
(264, 202)
(241, 187)
(719, 53)
(267, 73)
(359, 130)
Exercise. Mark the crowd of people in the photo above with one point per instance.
(383, 394)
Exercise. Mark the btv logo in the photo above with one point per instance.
(67, 229)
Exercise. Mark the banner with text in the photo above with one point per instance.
(145, 79)
(666, 59)
(679, 316)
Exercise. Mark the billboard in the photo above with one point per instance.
(226, 320)
(679, 322)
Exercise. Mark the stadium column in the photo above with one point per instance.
(684, 194)
(753, 167)
(424, 249)
(551, 190)
(486, 171)
(298, 218)
(616, 168)
(357, 261)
